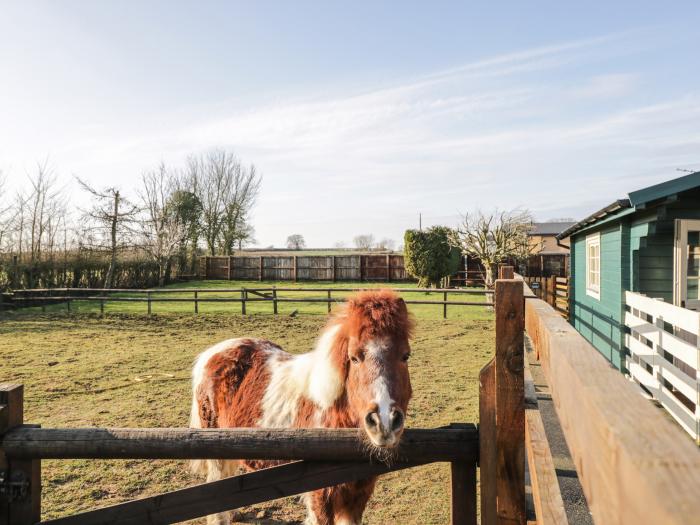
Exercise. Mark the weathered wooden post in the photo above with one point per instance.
(329, 300)
(444, 306)
(463, 491)
(260, 269)
(294, 268)
(196, 302)
(148, 297)
(333, 274)
(274, 300)
(502, 412)
(244, 296)
(506, 272)
(20, 480)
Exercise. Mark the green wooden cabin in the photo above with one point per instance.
(647, 243)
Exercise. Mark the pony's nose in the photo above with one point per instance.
(397, 419)
(372, 420)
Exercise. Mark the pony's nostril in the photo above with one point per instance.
(372, 420)
(396, 420)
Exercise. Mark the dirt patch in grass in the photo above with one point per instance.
(132, 371)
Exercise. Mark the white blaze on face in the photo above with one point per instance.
(376, 350)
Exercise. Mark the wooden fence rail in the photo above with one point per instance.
(50, 296)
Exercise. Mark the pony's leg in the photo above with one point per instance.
(340, 505)
(319, 511)
(216, 470)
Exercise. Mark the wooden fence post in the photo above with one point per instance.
(444, 306)
(274, 300)
(260, 271)
(230, 267)
(333, 274)
(196, 302)
(463, 485)
(294, 268)
(148, 297)
(329, 300)
(244, 296)
(506, 272)
(502, 413)
(20, 504)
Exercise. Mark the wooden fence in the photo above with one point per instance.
(43, 297)
(384, 267)
(324, 457)
(552, 290)
(635, 465)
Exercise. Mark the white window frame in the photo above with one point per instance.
(593, 288)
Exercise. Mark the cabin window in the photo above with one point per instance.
(593, 265)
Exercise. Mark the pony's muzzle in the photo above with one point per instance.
(384, 431)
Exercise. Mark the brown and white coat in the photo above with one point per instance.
(356, 377)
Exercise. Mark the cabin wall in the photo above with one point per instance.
(600, 320)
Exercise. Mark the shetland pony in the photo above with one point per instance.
(356, 377)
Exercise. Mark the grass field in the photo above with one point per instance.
(131, 370)
(213, 290)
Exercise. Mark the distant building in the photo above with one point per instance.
(550, 257)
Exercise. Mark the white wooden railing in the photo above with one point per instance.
(663, 342)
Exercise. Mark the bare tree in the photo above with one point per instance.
(296, 242)
(493, 238)
(161, 226)
(364, 242)
(5, 212)
(339, 245)
(386, 244)
(227, 191)
(43, 206)
(112, 218)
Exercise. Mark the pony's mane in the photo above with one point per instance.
(375, 313)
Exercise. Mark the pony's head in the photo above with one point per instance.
(377, 328)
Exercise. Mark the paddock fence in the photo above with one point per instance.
(319, 457)
(274, 296)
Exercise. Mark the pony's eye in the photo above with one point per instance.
(355, 359)
(405, 357)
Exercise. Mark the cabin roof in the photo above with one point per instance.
(636, 200)
(550, 228)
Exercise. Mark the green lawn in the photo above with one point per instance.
(340, 290)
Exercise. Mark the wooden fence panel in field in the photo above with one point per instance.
(217, 267)
(315, 268)
(245, 268)
(347, 268)
(397, 272)
(278, 268)
(375, 267)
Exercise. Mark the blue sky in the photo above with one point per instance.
(362, 114)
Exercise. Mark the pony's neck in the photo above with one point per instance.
(324, 368)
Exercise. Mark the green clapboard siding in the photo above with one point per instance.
(600, 321)
(636, 255)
